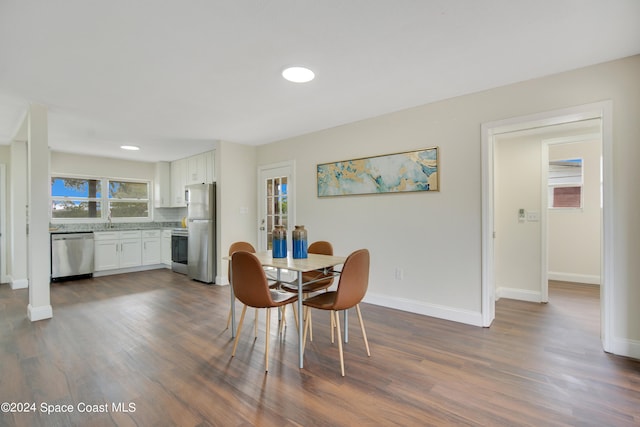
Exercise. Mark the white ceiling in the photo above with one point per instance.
(175, 76)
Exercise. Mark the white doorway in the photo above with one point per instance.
(276, 201)
(490, 131)
(547, 224)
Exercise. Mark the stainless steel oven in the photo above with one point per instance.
(179, 248)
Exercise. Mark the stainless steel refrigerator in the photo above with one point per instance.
(201, 226)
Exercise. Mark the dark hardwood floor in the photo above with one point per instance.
(154, 343)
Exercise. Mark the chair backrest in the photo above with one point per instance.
(354, 280)
(239, 246)
(320, 247)
(250, 284)
(323, 248)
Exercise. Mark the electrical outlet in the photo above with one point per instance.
(399, 273)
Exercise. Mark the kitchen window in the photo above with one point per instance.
(99, 199)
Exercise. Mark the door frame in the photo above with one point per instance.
(290, 166)
(602, 110)
(3, 224)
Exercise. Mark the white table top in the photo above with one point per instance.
(312, 262)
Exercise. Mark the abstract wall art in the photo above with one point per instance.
(391, 173)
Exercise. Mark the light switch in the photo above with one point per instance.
(533, 216)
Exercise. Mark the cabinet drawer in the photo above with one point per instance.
(105, 235)
(150, 233)
(130, 234)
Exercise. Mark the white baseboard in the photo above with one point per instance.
(626, 347)
(39, 313)
(571, 277)
(442, 312)
(222, 280)
(518, 294)
(128, 270)
(19, 283)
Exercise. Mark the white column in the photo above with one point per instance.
(17, 262)
(39, 248)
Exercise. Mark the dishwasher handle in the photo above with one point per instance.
(75, 236)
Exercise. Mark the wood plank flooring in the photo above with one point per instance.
(154, 343)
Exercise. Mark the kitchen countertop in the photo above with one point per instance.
(117, 226)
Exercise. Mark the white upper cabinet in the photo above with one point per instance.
(172, 177)
(178, 181)
(162, 185)
(197, 172)
(210, 165)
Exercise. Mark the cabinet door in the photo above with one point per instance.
(210, 166)
(165, 247)
(106, 254)
(162, 185)
(178, 182)
(151, 251)
(130, 253)
(196, 170)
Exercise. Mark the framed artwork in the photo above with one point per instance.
(391, 173)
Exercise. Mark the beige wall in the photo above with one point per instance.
(100, 166)
(236, 178)
(436, 237)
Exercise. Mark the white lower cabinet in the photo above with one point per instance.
(151, 253)
(117, 249)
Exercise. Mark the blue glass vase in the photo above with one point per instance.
(300, 242)
(279, 242)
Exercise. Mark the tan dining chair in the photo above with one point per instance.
(235, 247)
(321, 280)
(247, 247)
(352, 286)
(251, 287)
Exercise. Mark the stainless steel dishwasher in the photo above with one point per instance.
(71, 255)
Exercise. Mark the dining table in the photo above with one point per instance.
(313, 262)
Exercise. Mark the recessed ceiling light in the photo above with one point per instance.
(298, 74)
(130, 147)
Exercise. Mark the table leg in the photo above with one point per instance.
(346, 326)
(300, 324)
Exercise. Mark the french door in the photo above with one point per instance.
(276, 204)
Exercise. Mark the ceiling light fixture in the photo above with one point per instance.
(130, 147)
(298, 74)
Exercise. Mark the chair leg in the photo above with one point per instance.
(307, 314)
(364, 334)
(333, 326)
(255, 325)
(337, 317)
(295, 314)
(306, 330)
(228, 319)
(235, 344)
(266, 345)
(282, 312)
